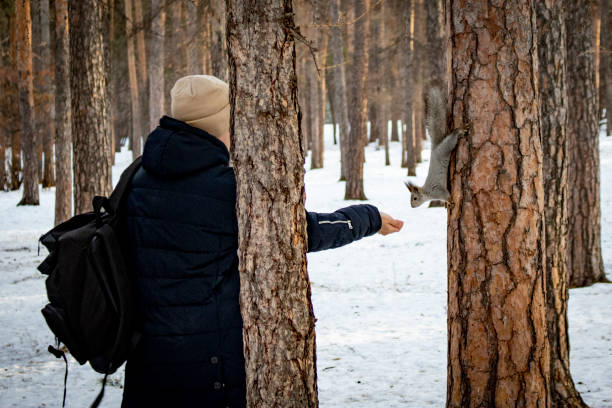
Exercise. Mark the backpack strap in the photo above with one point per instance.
(117, 196)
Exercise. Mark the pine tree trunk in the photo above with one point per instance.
(279, 333)
(142, 58)
(320, 37)
(137, 132)
(91, 138)
(63, 160)
(13, 106)
(46, 109)
(553, 109)
(407, 78)
(584, 258)
(195, 34)
(175, 50)
(122, 109)
(419, 61)
(358, 102)
(339, 85)
(218, 55)
(606, 62)
(498, 353)
(376, 77)
(26, 103)
(156, 63)
(107, 39)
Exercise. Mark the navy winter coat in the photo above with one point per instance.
(183, 228)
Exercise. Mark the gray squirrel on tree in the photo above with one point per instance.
(442, 145)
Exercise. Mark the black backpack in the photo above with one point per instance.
(93, 308)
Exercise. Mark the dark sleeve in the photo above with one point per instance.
(341, 227)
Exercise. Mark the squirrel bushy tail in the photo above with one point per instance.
(435, 114)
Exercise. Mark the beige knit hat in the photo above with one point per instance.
(202, 101)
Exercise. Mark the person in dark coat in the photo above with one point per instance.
(183, 229)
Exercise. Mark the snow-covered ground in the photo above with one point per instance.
(380, 303)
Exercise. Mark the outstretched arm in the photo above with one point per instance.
(333, 230)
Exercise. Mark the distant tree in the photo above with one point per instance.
(26, 102)
(584, 258)
(175, 48)
(553, 121)
(498, 353)
(279, 332)
(336, 45)
(218, 47)
(408, 80)
(137, 128)
(155, 62)
(376, 73)
(420, 66)
(197, 37)
(91, 138)
(63, 134)
(45, 111)
(142, 58)
(358, 73)
(121, 107)
(319, 37)
(13, 106)
(605, 67)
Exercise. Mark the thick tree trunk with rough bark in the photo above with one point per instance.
(91, 138)
(339, 85)
(553, 122)
(498, 353)
(137, 128)
(63, 142)
(26, 102)
(279, 332)
(584, 258)
(358, 101)
(155, 63)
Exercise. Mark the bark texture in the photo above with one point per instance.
(218, 48)
(279, 333)
(63, 134)
(26, 102)
(584, 257)
(156, 63)
(91, 136)
(553, 122)
(358, 102)
(498, 354)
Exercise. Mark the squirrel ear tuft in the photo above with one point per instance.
(413, 188)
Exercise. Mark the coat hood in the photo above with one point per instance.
(175, 149)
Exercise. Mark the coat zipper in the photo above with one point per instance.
(338, 222)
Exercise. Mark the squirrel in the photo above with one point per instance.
(442, 145)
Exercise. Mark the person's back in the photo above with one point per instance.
(183, 227)
(183, 230)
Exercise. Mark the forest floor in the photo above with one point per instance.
(380, 303)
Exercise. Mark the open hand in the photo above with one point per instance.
(389, 224)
